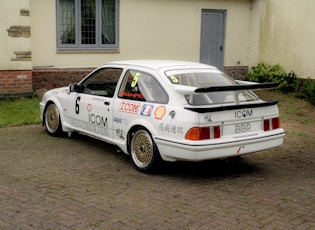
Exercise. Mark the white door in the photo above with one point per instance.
(90, 109)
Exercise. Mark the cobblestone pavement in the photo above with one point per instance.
(82, 183)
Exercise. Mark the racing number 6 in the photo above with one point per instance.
(77, 107)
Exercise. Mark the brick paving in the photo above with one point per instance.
(82, 183)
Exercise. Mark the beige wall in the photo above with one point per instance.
(164, 29)
(288, 35)
(10, 16)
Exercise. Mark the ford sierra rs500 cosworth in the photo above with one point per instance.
(157, 110)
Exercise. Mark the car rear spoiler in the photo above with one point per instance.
(243, 85)
(217, 108)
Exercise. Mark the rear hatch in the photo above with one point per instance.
(239, 120)
(225, 107)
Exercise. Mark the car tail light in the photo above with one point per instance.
(203, 133)
(272, 123)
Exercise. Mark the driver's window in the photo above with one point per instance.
(103, 82)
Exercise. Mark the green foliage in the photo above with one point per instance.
(288, 83)
(265, 73)
(19, 111)
(311, 92)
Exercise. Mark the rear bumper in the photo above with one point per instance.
(222, 148)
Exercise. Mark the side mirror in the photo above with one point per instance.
(74, 88)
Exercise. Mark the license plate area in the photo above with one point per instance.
(242, 127)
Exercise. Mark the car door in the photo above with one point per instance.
(90, 108)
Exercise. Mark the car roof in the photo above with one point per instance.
(158, 64)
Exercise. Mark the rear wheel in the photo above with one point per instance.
(52, 120)
(144, 153)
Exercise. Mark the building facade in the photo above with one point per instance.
(48, 43)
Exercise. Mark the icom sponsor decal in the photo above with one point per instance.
(97, 120)
(159, 112)
(243, 113)
(146, 110)
(95, 123)
(129, 107)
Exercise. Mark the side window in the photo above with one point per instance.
(142, 87)
(103, 82)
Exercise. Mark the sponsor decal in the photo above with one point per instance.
(97, 120)
(159, 112)
(208, 118)
(117, 119)
(98, 99)
(129, 107)
(89, 108)
(169, 128)
(120, 134)
(120, 120)
(146, 110)
(244, 113)
(132, 95)
(239, 149)
(92, 125)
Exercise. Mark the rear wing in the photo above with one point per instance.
(246, 86)
(243, 85)
(201, 109)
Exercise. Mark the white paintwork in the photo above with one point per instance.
(167, 123)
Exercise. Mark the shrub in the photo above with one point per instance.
(311, 91)
(288, 83)
(266, 73)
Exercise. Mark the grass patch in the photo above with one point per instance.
(19, 111)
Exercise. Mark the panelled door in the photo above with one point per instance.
(212, 37)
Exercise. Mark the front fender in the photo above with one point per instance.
(49, 98)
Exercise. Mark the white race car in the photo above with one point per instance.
(169, 110)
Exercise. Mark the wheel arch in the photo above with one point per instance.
(56, 102)
(145, 125)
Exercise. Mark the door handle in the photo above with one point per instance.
(106, 103)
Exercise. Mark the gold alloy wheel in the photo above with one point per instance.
(52, 119)
(142, 150)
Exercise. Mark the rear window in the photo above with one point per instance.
(208, 78)
(142, 86)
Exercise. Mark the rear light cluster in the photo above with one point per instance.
(203, 133)
(271, 123)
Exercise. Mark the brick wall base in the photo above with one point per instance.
(24, 83)
(54, 78)
(237, 72)
(15, 83)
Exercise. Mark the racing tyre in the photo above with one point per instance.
(52, 120)
(144, 153)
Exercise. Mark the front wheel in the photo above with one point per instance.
(144, 153)
(52, 120)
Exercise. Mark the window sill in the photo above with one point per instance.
(86, 51)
